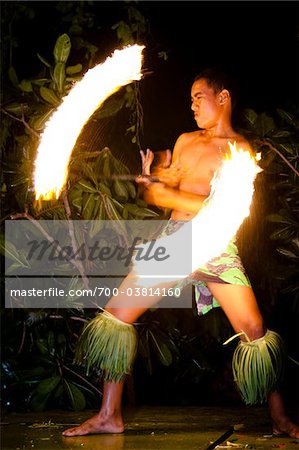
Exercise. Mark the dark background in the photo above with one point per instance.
(257, 42)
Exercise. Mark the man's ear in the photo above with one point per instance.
(224, 96)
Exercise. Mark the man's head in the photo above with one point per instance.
(212, 97)
(219, 79)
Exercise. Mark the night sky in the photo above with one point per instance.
(255, 41)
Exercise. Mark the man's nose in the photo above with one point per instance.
(194, 107)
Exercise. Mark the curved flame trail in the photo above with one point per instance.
(64, 126)
(218, 220)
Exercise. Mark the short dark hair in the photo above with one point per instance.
(218, 79)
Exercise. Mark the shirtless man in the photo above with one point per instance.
(185, 185)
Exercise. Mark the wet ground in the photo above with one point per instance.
(148, 428)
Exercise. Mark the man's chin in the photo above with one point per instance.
(199, 123)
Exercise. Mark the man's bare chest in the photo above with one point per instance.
(201, 160)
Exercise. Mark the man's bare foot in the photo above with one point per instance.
(96, 425)
(286, 426)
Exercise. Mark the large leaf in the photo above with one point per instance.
(75, 396)
(162, 351)
(110, 108)
(250, 115)
(264, 125)
(9, 250)
(48, 385)
(289, 118)
(62, 48)
(43, 391)
(59, 76)
(87, 186)
(49, 95)
(38, 123)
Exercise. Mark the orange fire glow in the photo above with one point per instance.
(66, 123)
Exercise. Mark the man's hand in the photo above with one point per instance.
(170, 176)
(146, 161)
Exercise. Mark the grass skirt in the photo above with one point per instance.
(109, 345)
(258, 366)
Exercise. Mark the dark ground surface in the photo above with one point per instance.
(147, 428)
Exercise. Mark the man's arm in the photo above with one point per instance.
(165, 197)
(165, 194)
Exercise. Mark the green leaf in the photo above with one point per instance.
(89, 202)
(35, 372)
(111, 210)
(75, 396)
(44, 61)
(289, 148)
(123, 32)
(278, 218)
(38, 123)
(51, 341)
(286, 116)
(49, 95)
(120, 190)
(71, 70)
(284, 234)
(75, 197)
(48, 385)
(9, 250)
(17, 108)
(25, 86)
(87, 186)
(42, 346)
(12, 75)
(282, 133)
(287, 253)
(162, 350)
(62, 48)
(163, 55)
(59, 76)
(104, 189)
(250, 115)
(42, 392)
(38, 402)
(110, 108)
(264, 124)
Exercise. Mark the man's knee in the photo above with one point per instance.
(127, 315)
(254, 329)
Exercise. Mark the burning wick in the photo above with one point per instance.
(64, 126)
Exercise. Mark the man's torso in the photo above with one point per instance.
(199, 158)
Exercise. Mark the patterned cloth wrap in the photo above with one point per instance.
(225, 268)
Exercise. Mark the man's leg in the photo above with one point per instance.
(109, 419)
(240, 306)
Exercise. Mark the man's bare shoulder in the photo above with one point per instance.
(241, 141)
(189, 137)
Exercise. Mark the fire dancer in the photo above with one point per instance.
(183, 188)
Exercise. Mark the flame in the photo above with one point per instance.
(218, 220)
(64, 126)
(229, 203)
